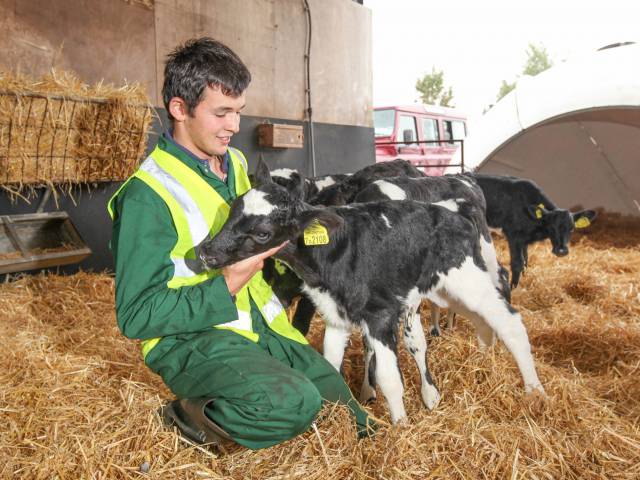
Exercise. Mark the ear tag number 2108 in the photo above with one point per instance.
(316, 234)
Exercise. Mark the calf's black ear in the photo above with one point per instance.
(299, 186)
(583, 218)
(324, 217)
(262, 174)
(537, 211)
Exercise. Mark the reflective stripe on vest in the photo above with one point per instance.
(199, 211)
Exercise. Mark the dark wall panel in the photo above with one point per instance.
(339, 149)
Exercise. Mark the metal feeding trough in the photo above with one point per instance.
(39, 240)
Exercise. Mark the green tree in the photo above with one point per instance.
(537, 61)
(432, 90)
(505, 88)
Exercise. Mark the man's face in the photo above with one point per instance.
(212, 123)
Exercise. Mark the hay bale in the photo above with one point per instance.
(60, 131)
(76, 400)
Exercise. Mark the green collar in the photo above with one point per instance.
(171, 147)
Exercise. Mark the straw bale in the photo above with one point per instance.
(77, 402)
(58, 130)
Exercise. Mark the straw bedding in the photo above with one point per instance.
(77, 402)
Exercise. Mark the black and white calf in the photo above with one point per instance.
(459, 193)
(289, 178)
(380, 260)
(334, 189)
(344, 192)
(525, 215)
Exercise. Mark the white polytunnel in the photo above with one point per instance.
(573, 129)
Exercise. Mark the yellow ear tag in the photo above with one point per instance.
(582, 222)
(316, 234)
(539, 211)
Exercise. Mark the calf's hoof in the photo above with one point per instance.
(401, 421)
(367, 395)
(535, 389)
(430, 396)
(435, 332)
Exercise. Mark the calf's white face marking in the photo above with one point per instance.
(386, 220)
(324, 183)
(283, 173)
(255, 203)
(392, 191)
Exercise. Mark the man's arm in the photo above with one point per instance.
(143, 237)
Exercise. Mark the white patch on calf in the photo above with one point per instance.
(256, 204)
(386, 220)
(488, 252)
(283, 172)
(448, 204)
(392, 191)
(334, 343)
(414, 297)
(324, 183)
(465, 182)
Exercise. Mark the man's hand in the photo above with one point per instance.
(238, 274)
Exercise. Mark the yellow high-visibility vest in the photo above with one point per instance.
(199, 211)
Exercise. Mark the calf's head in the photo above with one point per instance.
(263, 218)
(558, 224)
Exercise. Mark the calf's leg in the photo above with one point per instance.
(387, 372)
(417, 345)
(368, 390)
(435, 320)
(335, 341)
(472, 288)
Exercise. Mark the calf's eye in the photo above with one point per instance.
(262, 236)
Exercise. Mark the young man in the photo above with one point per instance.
(220, 340)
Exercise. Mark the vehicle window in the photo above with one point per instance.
(383, 122)
(406, 123)
(454, 130)
(459, 130)
(430, 131)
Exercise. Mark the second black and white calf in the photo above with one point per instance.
(380, 260)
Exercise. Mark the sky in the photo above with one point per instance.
(479, 43)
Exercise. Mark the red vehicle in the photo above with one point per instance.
(421, 134)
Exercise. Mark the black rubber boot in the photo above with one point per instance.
(188, 415)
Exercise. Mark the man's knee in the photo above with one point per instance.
(277, 414)
(296, 409)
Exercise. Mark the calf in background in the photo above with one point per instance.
(525, 215)
(344, 192)
(288, 178)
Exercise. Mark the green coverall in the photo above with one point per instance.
(266, 392)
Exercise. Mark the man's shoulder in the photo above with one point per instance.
(137, 191)
(243, 160)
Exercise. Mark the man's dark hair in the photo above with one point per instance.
(200, 63)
